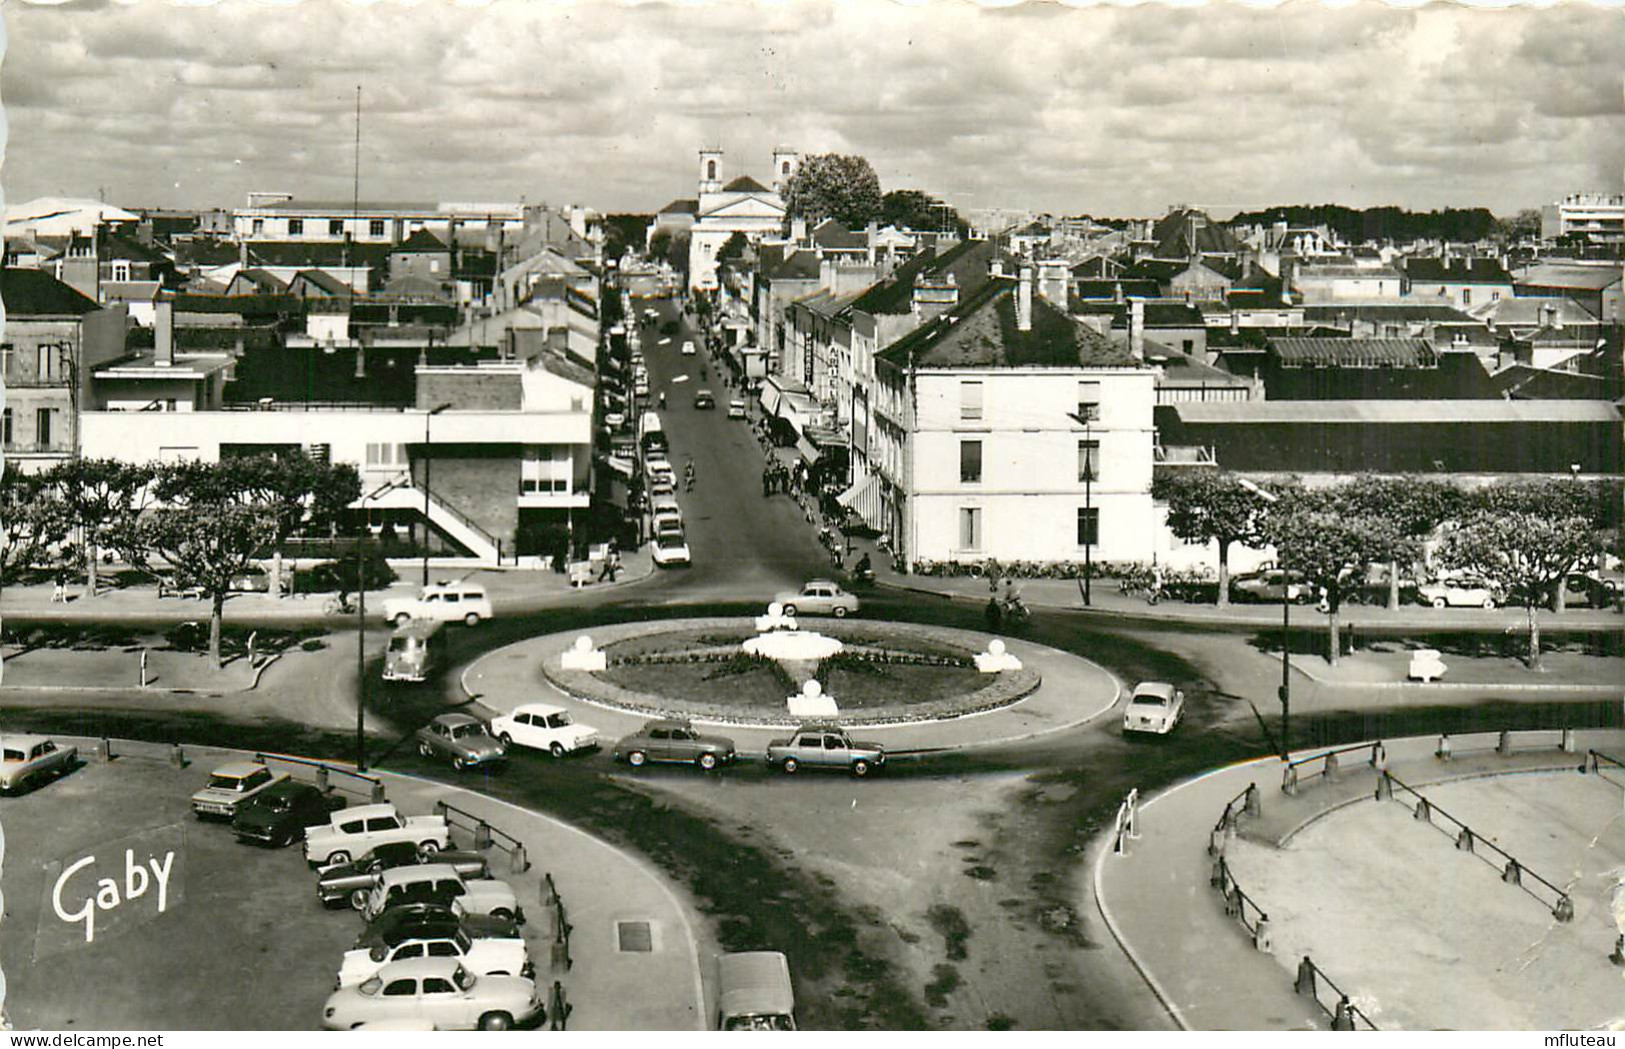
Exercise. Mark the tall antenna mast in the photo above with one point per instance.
(355, 192)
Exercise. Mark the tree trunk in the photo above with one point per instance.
(1224, 573)
(1534, 639)
(1334, 629)
(1559, 598)
(1393, 585)
(90, 569)
(276, 573)
(216, 615)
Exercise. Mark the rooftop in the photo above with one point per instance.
(1395, 411)
(1355, 353)
(35, 293)
(1457, 271)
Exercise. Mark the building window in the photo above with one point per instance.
(970, 400)
(1089, 401)
(259, 226)
(5, 427)
(42, 427)
(121, 270)
(970, 528)
(970, 462)
(710, 170)
(1088, 526)
(7, 351)
(1495, 296)
(1088, 460)
(45, 362)
(375, 228)
(296, 227)
(335, 227)
(1466, 296)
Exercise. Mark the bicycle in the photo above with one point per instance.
(336, 606)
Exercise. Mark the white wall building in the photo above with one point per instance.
(741, 206)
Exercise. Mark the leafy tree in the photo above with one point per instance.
(1524, 225)
(834, 185)
(103, 499)
(1598, 503)
(33, 522)
(1211, 506)
(660, 244)
(1527, 553)
(916, 209)
(734, 247)
(1416, 506)
(677, 254)
(207, 544)
(623, 232)
(1330, 547)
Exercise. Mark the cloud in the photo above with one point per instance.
(1102, 109)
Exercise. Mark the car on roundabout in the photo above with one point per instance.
(28, 759)
(670, 549)
(279, 815)
(441, 991)
(544, 727)
(674, 741)
(462, 739)
(443, 602)
(818, 597)
(825, 747)
(349, 883)
(1156, 707)
(1461, 591)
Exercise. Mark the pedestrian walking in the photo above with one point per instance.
(767, 482)
(994, 614)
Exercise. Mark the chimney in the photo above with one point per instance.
(1024, 300)
(1549, 315)
(871, 235)
(798, 229)
(1117, 292)
(1136, 328)
(1235, 321)
(1557, 318)
(242, 255)
(163, 334)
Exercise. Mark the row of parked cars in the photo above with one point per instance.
(1447, 590)
(441, 947)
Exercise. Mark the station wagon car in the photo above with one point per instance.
(1460, 591)
(355, 831)
(440, 991)
(351, 882)
(461, 738)
(1155, 706)
(30, 759)
(819, 597)
(440, 883)
(543, 727)
(443, 602)
(674, 741)
(230, 786)
(825, 747)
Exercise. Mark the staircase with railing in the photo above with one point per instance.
(401, 494)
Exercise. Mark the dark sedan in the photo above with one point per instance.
(279, 814)
(418, 920)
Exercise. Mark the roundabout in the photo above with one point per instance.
(950, 688)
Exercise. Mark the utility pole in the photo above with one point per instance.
(361, 650)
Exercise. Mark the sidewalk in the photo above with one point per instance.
(512, 590)
(1159, 904)
(1107, 599)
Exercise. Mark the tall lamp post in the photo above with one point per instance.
(1088, 504)
(361, 649)
(1284, 693)
(428, 460)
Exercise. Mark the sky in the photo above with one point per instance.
(1111, 111)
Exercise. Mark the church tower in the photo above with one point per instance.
(784, 166)
(710, 171)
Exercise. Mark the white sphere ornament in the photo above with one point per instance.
(812, 689)
(775, 610)
(996, 647)
(583, 643)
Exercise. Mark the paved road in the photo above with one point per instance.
(744, 546)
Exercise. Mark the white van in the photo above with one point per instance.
(415, 651)
(754, 992)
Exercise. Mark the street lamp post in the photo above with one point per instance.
(1088, 505)
(1284, 693)
(428, 459)
(361, 649)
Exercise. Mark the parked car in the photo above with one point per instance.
(672, 740)
(350, 882)
(462, 739)
(254, 580)
(704, 399)
(27, 759)
(355, 831)
(279, 814)
(437, 990)
(615, 420)
(544, 727)
(736, 409)
(818, 597)
(1155, 706)
(230, 786)
(482, 957)
(688, 348)
(667, 523)
(664, 502)
(444, 602)
(1591, 589)
(411, 920)
(1461, 591)
(662, 485)
(1270, 585)
(641, 386)
(754, 992)
(440, 883)
(670, 549)
(659, 466)
(825, 747)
